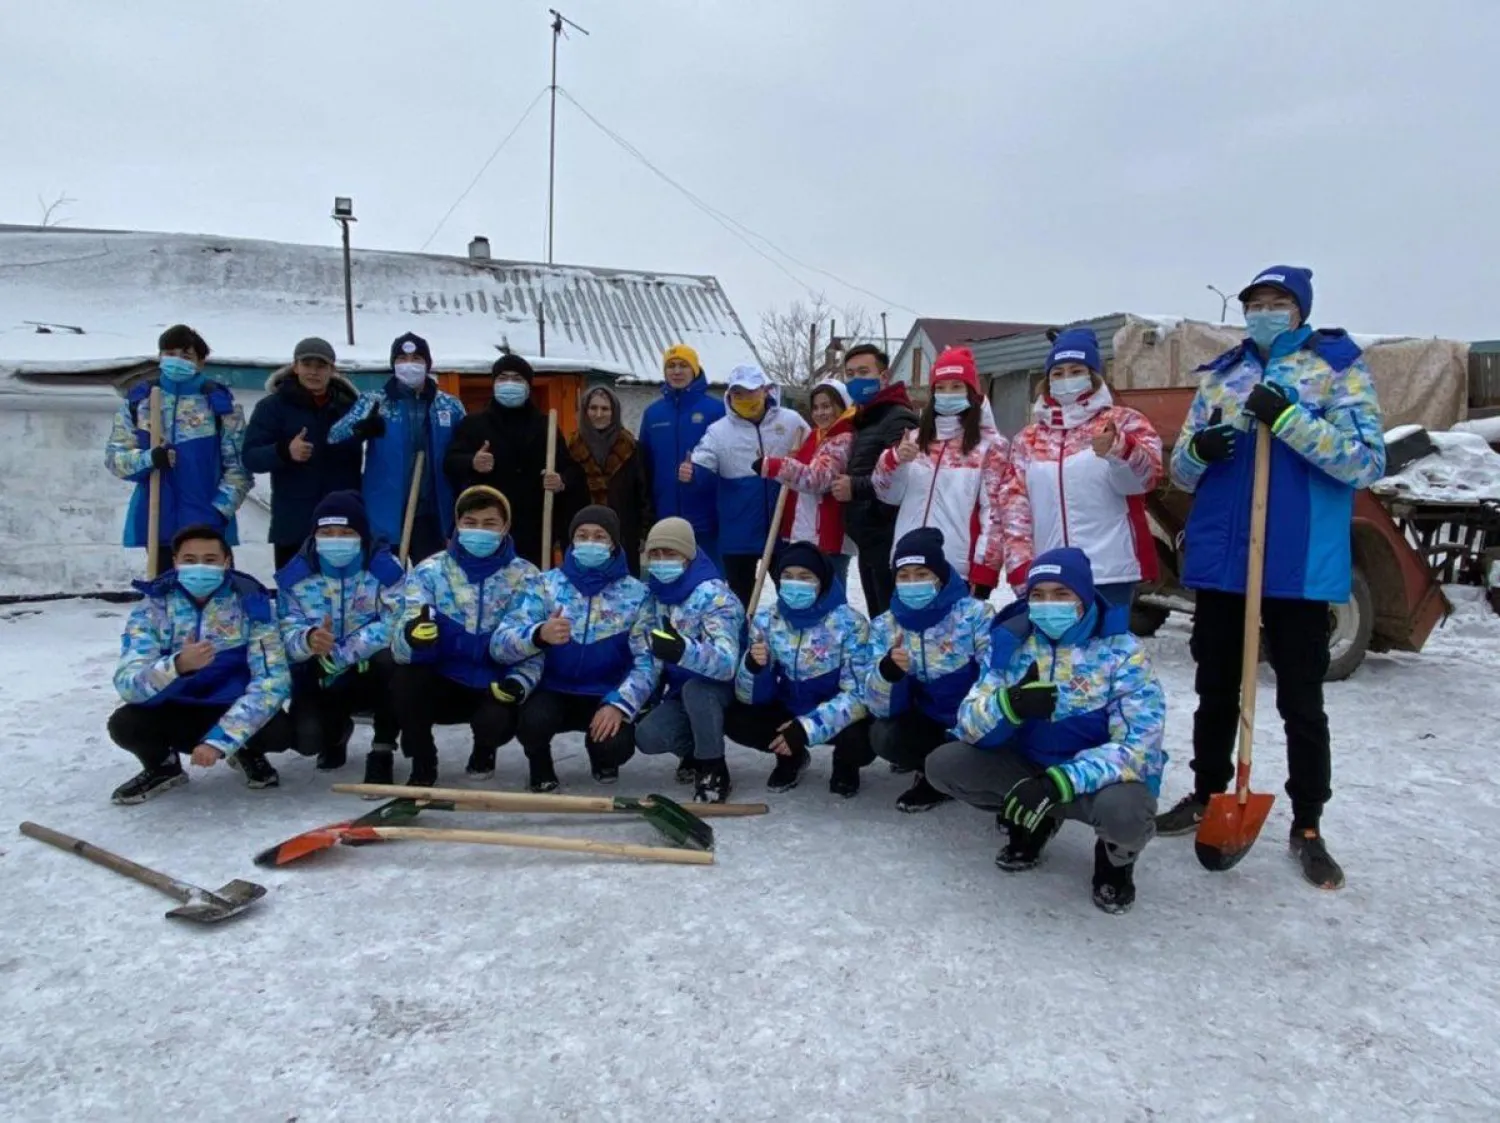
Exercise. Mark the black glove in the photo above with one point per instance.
(1027, 802)
(508, 691)
(161, 457)
(667, 643)
(1215, 442)
(1268, 402)
(370, 426)
(423, 631)
(890, 670)
(753, 665)
(794, 735)
(1029, 699)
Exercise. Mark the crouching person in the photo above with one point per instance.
(201, 670)
(799, 684)
(341, 597)
(692, 623)
(578, 619)
(445, 671)
(926, 654)
(1066, 723)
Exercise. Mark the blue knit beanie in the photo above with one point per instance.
(1076, 345)
(1293, 280)
(1069, 567)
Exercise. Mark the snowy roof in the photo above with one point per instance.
(94, 300)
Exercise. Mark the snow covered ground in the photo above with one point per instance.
(841, 961)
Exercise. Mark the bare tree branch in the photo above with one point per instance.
(795, 344)
(52, 212)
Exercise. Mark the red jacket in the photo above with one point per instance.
(816, 516)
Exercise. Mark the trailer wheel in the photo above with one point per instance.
(1350, 626)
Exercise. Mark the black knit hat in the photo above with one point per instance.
(408, 346)
(808, 556)
(923, 546)
(343, 508)
(596, 516)
(512, 364)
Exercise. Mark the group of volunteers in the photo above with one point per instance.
(1042, 710)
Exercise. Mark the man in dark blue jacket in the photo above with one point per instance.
(288, 437)
(669, 430)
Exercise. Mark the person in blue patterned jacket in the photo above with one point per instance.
(1065, 722)
(924, 655)
(596, 674)
(200, 457)
(1314, 391)
(692, 622)
(341, 597)
(448, 670)
(201, 671)
(801, 679)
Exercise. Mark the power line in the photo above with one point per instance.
(475, 181)
(738, 229)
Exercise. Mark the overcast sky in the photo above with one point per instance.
(1046, 161)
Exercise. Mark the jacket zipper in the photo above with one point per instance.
(931, 488)
(1062, 491)
(765, 499)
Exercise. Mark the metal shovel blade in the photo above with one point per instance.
(1229, 828)
(211, 906)
(677, 822)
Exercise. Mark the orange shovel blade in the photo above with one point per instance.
(1229, 828)
(310, 842)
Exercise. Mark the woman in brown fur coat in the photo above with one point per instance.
(612, 464)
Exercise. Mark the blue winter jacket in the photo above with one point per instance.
(1328, 444)
(389, 459)
(363, 602)
(208, 482)
(948, 641)
(669, 430)
(603, 659)
(707, 614)
(1111, 711)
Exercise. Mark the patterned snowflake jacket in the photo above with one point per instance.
(607, 656)
(700, 605)
(249, 670)
(1111, 711)
(1328, 444)
(363, 602)
(948, 641)
(1058, 492)
(469, 597)
(818, 663)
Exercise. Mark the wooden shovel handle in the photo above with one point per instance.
(765, 554)
(153, 492)
(413, 495)
(1254, 582)
(551, 842)
(168, 885)
(468, 800)
(548, 498)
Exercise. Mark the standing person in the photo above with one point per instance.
(815, 515)
(947, 474)
(885, 414)
(754, 429)
(801, 680)
(926, 653)
(447, 669)
(596, 676)
(203, 476)
(692, 623)
(341, 598)
(201, 671)
(1314, 391)
(1065, 722)
(409, 414)
(670, 428)
(505, 448)
(1078, 475)
(614, 469)
(288, 437)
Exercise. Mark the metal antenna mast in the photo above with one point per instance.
(559, 21)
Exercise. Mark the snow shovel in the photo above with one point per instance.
(463, 799)
(765, 554)
(548, 497)
(153, 493)
(1231, 823)
(202, 906)
(412, 497)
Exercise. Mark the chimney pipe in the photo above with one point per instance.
(479, 248)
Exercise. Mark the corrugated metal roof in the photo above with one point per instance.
(1025, 353)
(946, 333)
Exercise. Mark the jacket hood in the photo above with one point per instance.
(281, 375)
(1052, 414)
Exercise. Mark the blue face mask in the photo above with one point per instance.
(666, 570)
(592, 555)
(1053, 617)
(951, 404)
(916, 594)
(177, 370)
(481, 543)
(798, 594)
(511, 394)
(337, 552)
(200, 581)
(861, 390)
(1264, 327)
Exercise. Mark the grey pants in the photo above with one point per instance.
(1123, 815)
(691, 724)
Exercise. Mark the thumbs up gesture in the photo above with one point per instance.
(300, 448)
(484, 459)
(897, 661)
(685, 472)
(423, 630)
(1029, 699)
(556, 630)
(1104, 440)
(321, 639)
(907, 450)
(667, 643)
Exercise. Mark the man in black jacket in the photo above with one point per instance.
(288, 437)
(885, 414)
(505, 447)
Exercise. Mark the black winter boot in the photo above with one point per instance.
(921, 796)
(151, 782)
(1318, 866)
(481, 764)
(256, 768)
(380, 767)
(424, 772)
(1114, 886)
(687, 770)
(711, 784)
(1024, 850)
(543, 775)
(788, 771)
(845, 779)
(335, 756)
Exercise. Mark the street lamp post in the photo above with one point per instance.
(343, 214)
(1223, 302)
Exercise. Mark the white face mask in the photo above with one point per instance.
(411, 374)
(1070, 388)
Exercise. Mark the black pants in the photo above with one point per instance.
(1296, 633)
(877, 578)
(547, 713)
(154, 733)
(323, 715)
(756, 727)
(425, 698)
(906, 741)
(284, 553)
(739, 572)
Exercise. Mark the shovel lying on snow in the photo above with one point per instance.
(467, 799)
(201, 906)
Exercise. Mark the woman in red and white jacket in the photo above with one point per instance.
(948, 472)
(1079, 473)
(815, 515)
